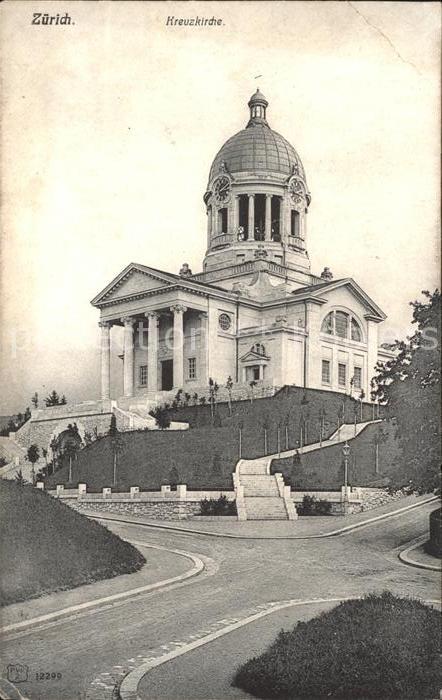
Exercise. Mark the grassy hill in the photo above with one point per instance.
(323, 469)
(205, 456)
(46, 546)
(381, 647)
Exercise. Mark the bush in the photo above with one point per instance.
(379, 647)
(310, 506)
(217, 506)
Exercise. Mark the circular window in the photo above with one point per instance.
(224, 322)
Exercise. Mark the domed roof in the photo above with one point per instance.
(257, 147)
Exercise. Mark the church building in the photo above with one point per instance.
(256, 312)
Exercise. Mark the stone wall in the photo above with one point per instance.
(154, 510)
(360, 499)
(44, 425)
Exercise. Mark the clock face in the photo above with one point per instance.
(221, 189)
(297, 192)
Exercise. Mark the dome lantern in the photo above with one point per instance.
(258, 105)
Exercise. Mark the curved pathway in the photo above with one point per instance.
(94, 652)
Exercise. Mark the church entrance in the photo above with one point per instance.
(167, 375)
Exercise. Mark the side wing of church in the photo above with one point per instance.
(255, 313)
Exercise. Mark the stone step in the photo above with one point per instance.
(261, 493)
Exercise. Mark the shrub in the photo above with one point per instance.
(310, 506)
(217, 506)
(381, 646)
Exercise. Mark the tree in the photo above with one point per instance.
(322, 417)
(54, 399)
(265, 427)
(34, 400)
(19, 478)
(162, 417)
(229, 387)
(33, 455)
(174, 477)
(213, 391)
(409, 385)
(361, 398)
(116, 447)
(72, 445)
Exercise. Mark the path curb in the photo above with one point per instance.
(128, 689)
(197, 568)
(405, 557)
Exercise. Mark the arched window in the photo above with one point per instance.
(343, 325)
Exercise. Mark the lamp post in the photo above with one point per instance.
(346, 452)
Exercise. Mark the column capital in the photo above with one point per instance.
(203, 315)
(152, 315)
(251, 195)
(127, 320)
(178, 309)
(104, 324)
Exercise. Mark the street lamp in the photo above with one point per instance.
(346, 452)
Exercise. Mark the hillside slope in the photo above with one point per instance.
(46, 546)
(205, 456)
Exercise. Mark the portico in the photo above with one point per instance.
(156, 344)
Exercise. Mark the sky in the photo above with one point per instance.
(110, 124)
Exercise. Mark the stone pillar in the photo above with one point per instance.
(202, 374)
(235, 215)
(214, 228)
(268, 233)
(152, 350)
(105, 359)
(251, 235)
(282, 227)
(209, 226)
(128, 361)
(178, 345)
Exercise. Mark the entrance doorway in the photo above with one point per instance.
(167, 375)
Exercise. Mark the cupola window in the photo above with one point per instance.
(343, 325)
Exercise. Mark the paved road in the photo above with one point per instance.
(92, 651)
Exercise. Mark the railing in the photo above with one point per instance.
(296, 242)
(221, 240)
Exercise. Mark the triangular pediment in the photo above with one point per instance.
(133, 280)
(322, 290)
(255, 356)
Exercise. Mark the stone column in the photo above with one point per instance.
(152, 350)
(105, 359)
(178, 345)
(214, 229)
(128, 361)
(268, 234)
(209, 226)
(251, 235)
(236, 215)
(202, 374)
(282, 227)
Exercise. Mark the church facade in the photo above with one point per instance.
(256, 312)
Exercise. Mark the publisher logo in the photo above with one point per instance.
(17, 673)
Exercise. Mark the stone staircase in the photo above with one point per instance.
(261, 495)
(264, 496)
